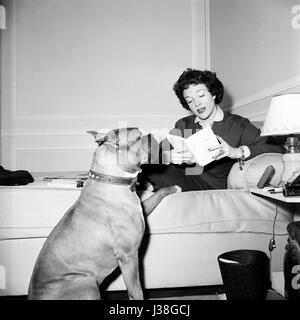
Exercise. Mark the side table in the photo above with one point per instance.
(277, 278)
(277, 196)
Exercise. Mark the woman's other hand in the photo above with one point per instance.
(182, 157)
(225, 150)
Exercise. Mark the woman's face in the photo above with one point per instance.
(200, 100)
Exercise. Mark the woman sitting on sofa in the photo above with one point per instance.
(201, 92)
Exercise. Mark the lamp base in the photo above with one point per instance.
(291, 163)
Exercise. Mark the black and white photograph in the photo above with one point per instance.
(150, 151)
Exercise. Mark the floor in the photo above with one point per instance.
(272, 295)
(193, 293)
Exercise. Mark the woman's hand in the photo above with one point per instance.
(225, 150)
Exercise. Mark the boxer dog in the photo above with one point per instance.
(105, 226)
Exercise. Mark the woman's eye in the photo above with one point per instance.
(189, 102)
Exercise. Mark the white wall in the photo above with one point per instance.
(255, 50)
(3, 10)
(72, 66)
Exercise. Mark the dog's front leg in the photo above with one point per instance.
(129, 265)
(150, 203)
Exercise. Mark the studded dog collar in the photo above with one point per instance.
(100, 177)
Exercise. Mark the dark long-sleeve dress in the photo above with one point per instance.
(235, 130)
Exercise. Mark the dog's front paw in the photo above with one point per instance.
(150, 203)
(172, 189)
(178, 189)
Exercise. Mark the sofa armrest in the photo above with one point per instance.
(253, 170)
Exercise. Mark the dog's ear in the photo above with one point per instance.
(98, 136)
(93, 133)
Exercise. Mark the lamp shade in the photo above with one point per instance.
(283, 117)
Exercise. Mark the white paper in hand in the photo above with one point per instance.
(198, 144)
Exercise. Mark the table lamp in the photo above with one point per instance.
(283, 119)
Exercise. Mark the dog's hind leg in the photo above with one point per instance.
(79, 288)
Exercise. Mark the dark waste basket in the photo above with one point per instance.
(245, 274)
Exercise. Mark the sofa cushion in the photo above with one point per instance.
(33, 210)
(222, 211)
(253, 170)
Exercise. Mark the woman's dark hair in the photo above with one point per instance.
(192, 76)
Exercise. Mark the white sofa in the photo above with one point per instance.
(184, 234)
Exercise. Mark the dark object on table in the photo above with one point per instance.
(245, 274)
(291, 266)
(266, 177)
(292, 186)
(14, 178)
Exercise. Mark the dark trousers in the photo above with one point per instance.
(169, 175)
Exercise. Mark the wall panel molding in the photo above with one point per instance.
(207, 35)
(273, 90)
(200, 34)
(79, 125)
(199, 59)
(29, 134)
(53, 159)
(46, 151)
(255, 106)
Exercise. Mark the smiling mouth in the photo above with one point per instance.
(201, 110)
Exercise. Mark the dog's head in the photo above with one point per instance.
(127, 148)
